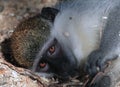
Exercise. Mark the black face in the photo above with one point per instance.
(53, 59)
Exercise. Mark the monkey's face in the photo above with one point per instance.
(53, 59)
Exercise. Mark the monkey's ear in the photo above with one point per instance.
(49, 13)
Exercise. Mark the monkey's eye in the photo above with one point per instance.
(42, 64)
(51, 50)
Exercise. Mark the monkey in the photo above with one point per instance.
(84, 34)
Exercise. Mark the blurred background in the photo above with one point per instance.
(14, 11)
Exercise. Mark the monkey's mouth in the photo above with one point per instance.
(46, 75)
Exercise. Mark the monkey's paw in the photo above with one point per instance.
(100, 81)
(97, 61)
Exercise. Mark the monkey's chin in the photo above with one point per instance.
(45, 75)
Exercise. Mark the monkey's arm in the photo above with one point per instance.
(110, 44)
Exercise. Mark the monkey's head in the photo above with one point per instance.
(52, 58)
(56, 56)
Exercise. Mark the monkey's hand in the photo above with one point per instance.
(98, 61)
